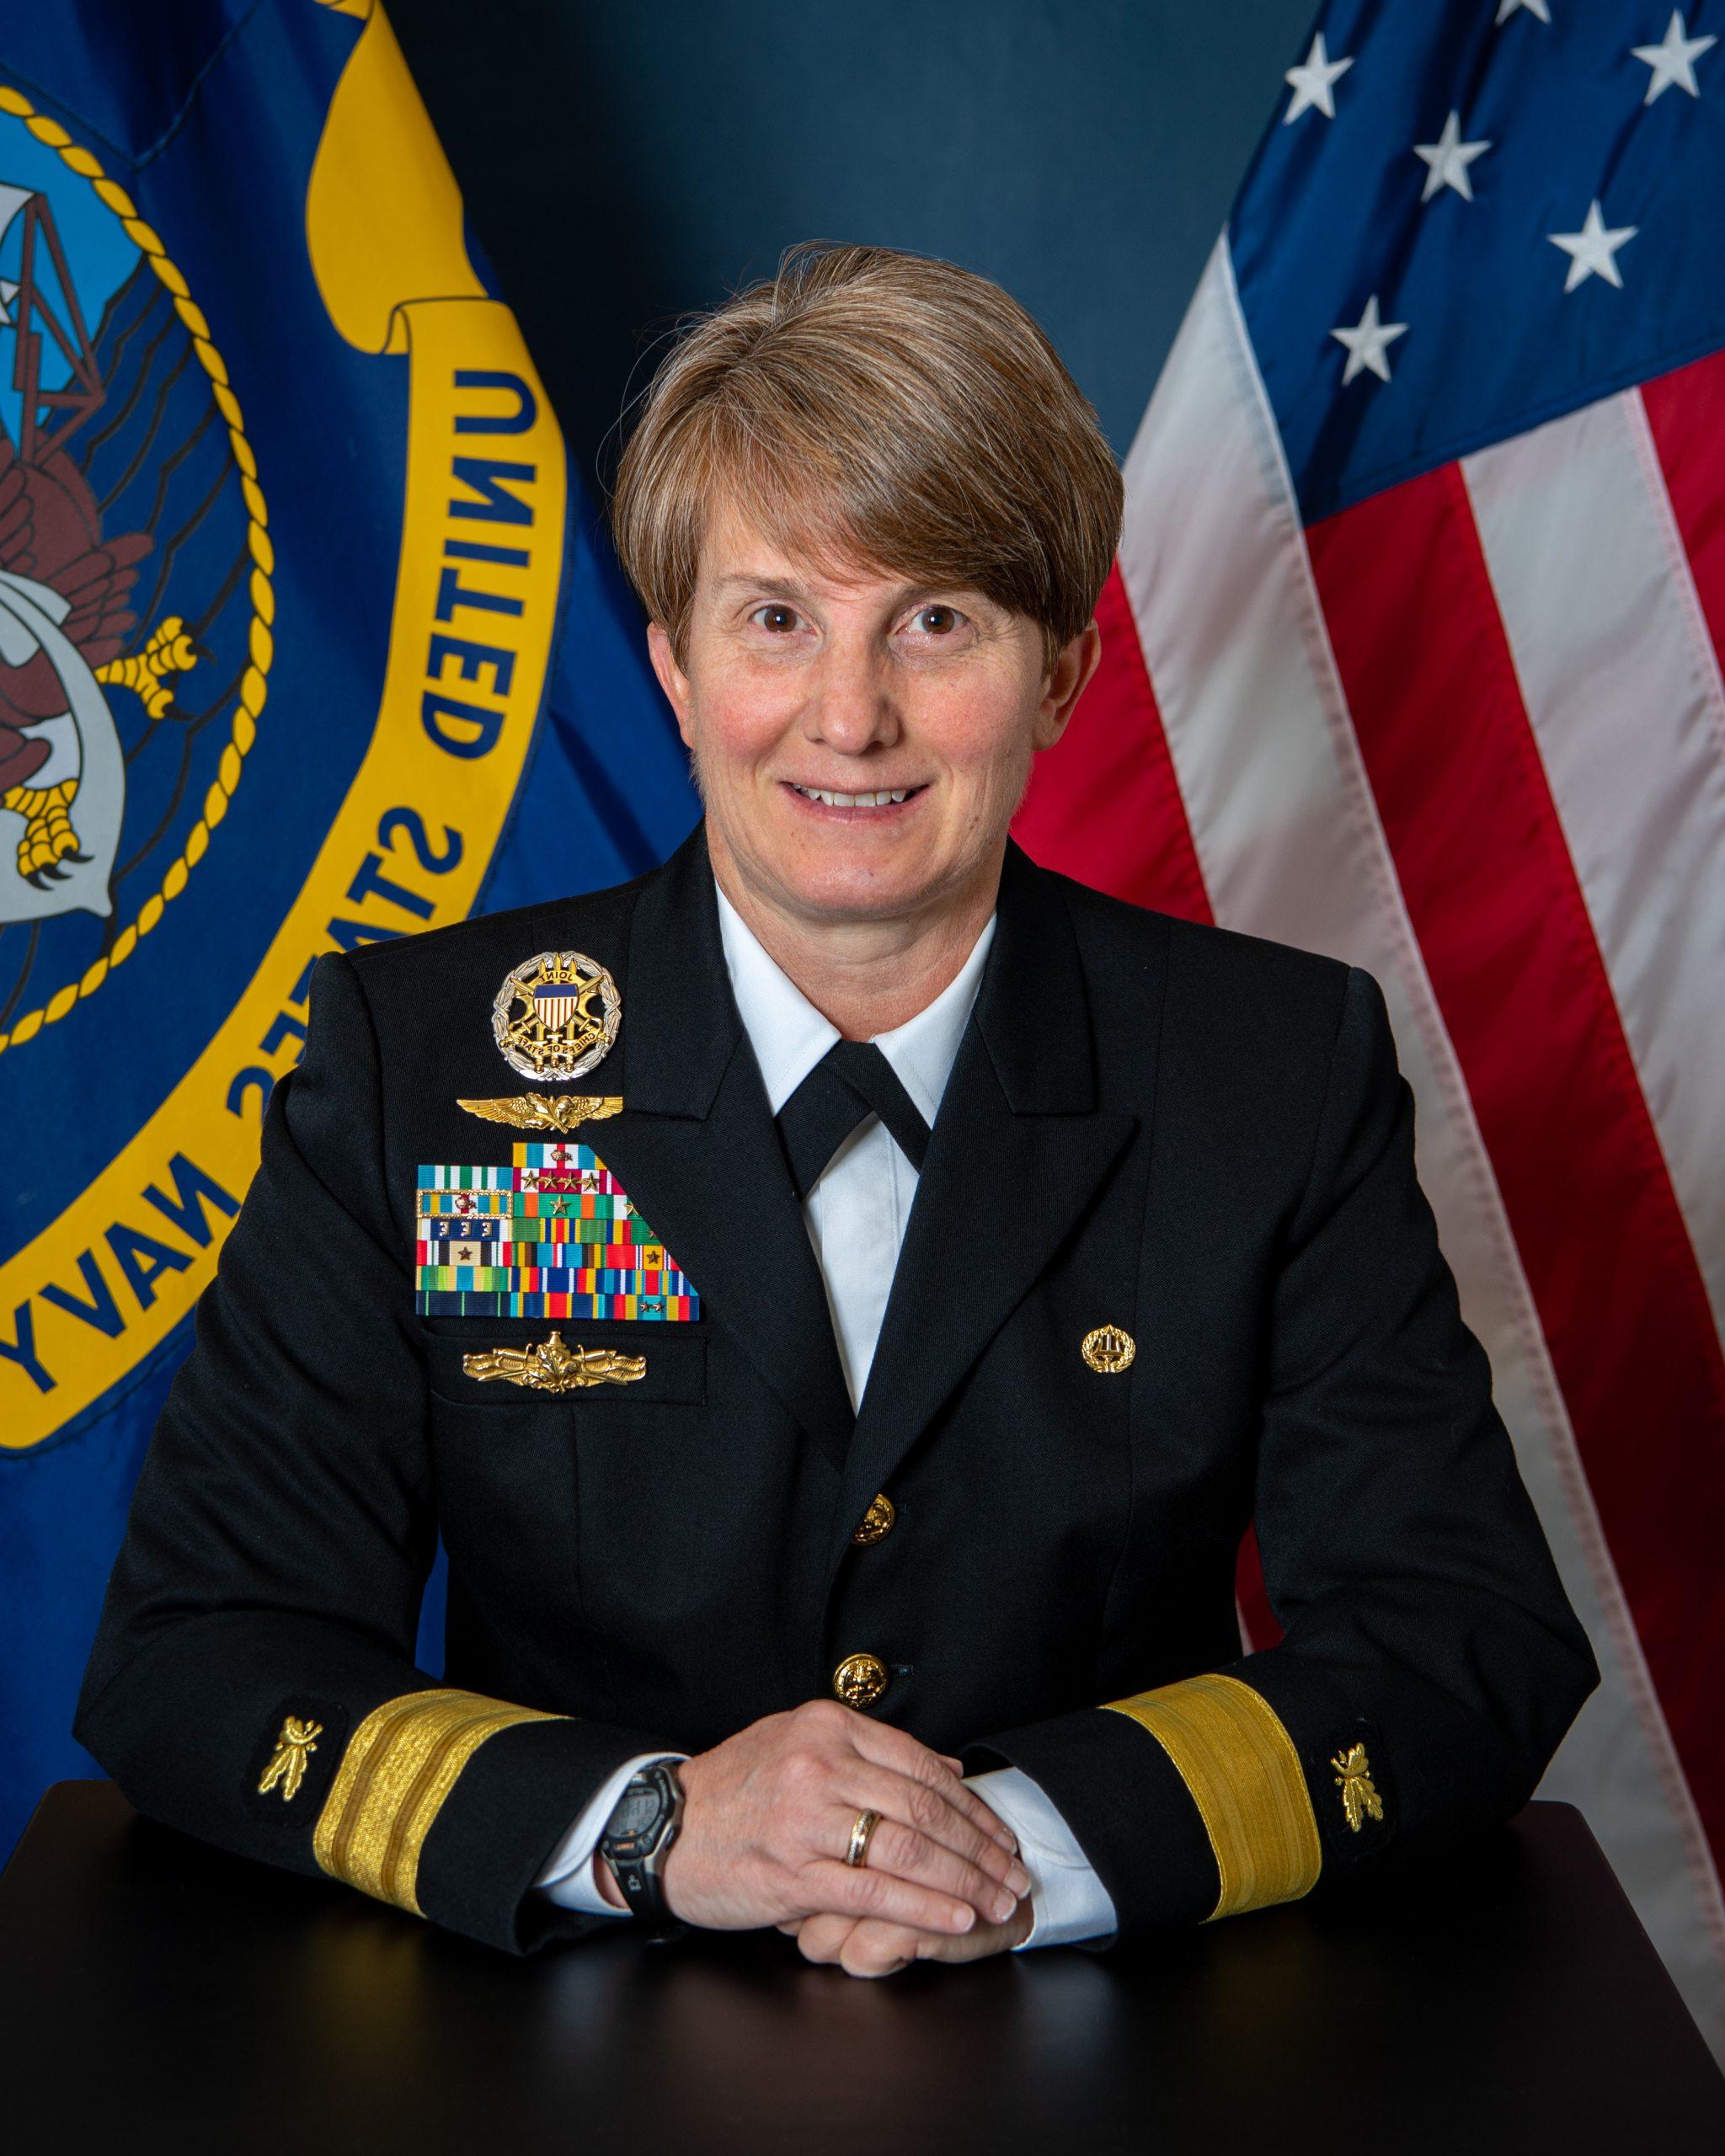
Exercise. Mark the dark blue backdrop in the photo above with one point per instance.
(624, 164)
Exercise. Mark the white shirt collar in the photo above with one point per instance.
(789, 1036)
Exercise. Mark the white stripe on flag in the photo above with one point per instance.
(1603, 621)
(1291, 845)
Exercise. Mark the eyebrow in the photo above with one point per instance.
(784, 587)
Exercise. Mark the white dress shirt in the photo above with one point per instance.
(857, 1214)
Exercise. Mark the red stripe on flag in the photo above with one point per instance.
(1504, 928)
(1253, 1598)
(1686, 413)
(1103, 804)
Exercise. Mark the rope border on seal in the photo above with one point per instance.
(253, 687)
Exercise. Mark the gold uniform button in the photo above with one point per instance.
(860, 1679)
(877, 1521)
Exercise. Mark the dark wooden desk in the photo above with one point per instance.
(154, 1992)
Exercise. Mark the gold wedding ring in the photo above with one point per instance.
(866, 1822)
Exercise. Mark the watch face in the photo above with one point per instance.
(636, 1812)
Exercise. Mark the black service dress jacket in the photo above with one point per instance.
(1198, 1137)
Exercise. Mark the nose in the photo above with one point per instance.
(851, 705)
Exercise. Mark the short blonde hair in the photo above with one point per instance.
(868, 407)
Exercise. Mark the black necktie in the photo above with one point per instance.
(851, 1080)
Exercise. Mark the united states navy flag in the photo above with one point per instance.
(305, 641)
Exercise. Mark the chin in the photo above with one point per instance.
(854, 899)
(856, 888)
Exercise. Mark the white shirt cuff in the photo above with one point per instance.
(1068, 1901)
(568, 1874)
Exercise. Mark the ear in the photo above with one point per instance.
(672, 677)
(1065, 684)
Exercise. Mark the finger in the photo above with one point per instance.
(875, 1947)
(908, 1853)
(897, 1749)
(932, 1813)
(985, 1939)
(943, 1809)
(866, 1948)
(821, 1938)
(1001, 1832)
(831, 1887)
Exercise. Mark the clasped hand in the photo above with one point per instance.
(766, 1821)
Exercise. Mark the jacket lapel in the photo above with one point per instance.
(697, 1151)
(1018, 1149)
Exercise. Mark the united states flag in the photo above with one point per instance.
(1413, 656)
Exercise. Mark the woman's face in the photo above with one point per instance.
(796, 686)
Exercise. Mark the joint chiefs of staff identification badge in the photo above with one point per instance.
(557, 1016)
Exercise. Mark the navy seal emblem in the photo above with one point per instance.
(555, 1016)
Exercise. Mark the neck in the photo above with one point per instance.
(865, 976)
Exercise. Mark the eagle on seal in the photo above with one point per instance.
(64, 622)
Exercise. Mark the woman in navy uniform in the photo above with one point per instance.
(842, 1296)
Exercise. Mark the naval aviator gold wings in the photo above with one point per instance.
(560, 1112)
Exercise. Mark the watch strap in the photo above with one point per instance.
(638, 1872)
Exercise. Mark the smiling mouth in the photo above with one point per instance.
(881, 798)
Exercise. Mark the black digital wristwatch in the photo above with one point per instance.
(637, 1840)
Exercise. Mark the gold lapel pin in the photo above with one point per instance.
(1109, 1349)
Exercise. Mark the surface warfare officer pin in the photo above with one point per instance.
(555, 1017)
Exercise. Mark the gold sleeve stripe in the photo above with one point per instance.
(400, 1764)
(1239, 1762)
